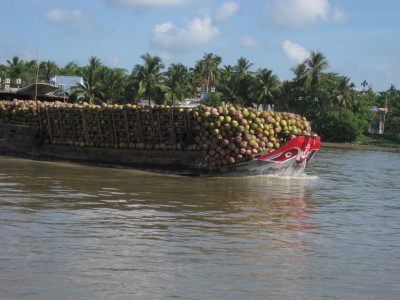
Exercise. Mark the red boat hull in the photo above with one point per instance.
(290, 159)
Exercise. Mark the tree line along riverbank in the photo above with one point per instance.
(338, 110)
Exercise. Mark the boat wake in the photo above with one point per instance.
(303, 176)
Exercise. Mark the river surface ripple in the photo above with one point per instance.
(71, 231)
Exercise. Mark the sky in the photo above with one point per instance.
(359, 38)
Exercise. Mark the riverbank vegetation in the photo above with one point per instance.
(338, 111)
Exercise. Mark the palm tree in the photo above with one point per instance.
(176, 79)
(227, 71)
(28, 74)
(243, 66)
(15, 65)
(315, 64)
(267, 85)
(15, 61)
(89, 91)
(300, 77)
(148, 76)
(364, 84)
(229, 86)
(285, 94)
(112, 83)
(71, 69)
(208, 68)
(3, 71)
(48, 69)
(343, 94)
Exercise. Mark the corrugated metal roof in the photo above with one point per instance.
(42, 89)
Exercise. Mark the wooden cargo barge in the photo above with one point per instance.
(125, 139)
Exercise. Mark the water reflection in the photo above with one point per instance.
(219, 200)
(152, 235)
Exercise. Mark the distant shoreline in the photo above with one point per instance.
(358, 147)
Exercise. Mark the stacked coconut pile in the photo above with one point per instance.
(19, 112)
(228, 135)
(233, 135)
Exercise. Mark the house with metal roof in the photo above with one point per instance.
(66, 83)
(378, 124)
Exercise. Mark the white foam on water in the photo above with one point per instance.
(290, 177)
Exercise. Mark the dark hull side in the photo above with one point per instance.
(25, 141)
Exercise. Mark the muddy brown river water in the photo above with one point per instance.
(70, 231)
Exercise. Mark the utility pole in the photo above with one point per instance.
(37, 78)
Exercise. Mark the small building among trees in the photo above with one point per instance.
(378, 124)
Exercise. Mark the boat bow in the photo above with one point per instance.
(302, 148)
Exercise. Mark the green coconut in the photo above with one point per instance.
(206, 114)
(252, 115)
(234, 123)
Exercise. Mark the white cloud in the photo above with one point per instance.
(165, 57)
(294, 51)
(338, 15)
(113, 60)
(144, 3)
(299, 13)
(250, 42)
(170, 38)
(226, 10)
(389, 74)
(73, 19)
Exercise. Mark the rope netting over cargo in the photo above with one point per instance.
(227, 134)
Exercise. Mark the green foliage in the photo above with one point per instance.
(71, 69)
(213, 100)
(391, 100)
(112, 84)
(393, 127)
(176, 81)
(380, 141)
(236, 89)
(339, 126)
(90, 91)
(147, 78)
(208, 68)
(242, 67)
(266, 87)
(47, 69)
(338, 111)
(308, 73)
